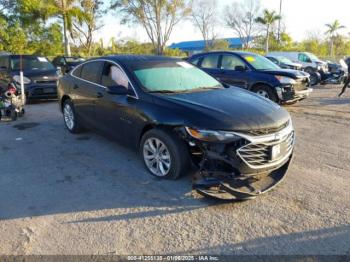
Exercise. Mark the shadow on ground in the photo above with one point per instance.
(330, 239)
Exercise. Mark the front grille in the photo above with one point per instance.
(45, 82)
(268, 131)
(259, 155)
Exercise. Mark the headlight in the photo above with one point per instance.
(285, 80)
(212, 136)
(26, 80)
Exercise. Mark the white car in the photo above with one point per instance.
(310, 62)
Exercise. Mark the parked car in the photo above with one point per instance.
(311, 64)
(337, 73)
(285, 63)
(175, 114)
(40, 76)
(255, 73)
(67, 63)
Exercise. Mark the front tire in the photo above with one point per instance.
(266, 91)
(164, 154)
(70, 118)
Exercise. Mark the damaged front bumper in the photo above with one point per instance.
(290, 95)
(245, 168)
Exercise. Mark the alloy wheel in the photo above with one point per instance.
(157, 157)
(68, 116)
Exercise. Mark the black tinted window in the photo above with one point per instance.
(92, 71)
(77, 71)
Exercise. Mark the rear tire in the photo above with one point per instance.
(164, 154)
(70, 118)
(266, 91)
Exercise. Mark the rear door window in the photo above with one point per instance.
(210, 61)
(92, 71)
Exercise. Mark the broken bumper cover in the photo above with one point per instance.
(289, 95)
(221, 186)
(245, 168)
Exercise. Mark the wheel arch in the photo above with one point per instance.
(267, 85)
(64, 99)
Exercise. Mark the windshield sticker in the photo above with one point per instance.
(185, 65)
(42, 59)
(250, 59)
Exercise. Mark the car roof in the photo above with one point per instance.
(137, 58)
(225, 52)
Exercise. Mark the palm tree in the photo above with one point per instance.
(66, 10)
(268, 19)
(332, 32)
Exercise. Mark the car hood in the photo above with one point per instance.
(231, 109)
(293, 64)
(285, 72)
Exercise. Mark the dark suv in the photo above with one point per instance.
(255, 73)
(40, 76)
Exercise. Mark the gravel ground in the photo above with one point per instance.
(65, 194)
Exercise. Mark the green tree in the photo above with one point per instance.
(332, 32)
(85, 28)
(10, 43)
(268, 19)
(157, 17)
(66, 10)
(220, 44)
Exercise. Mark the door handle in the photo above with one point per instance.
(99, 95)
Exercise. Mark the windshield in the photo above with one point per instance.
(259, 62)
(31, 63)
(285, 60)
(313, 57)
(174, 77)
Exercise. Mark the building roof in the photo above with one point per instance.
(200, 44)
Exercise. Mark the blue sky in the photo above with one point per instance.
(300, 18)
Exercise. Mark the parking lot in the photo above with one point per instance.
(66, 194)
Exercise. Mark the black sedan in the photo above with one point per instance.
(176, 115)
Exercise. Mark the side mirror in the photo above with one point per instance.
(240, 68)
(117, 90)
